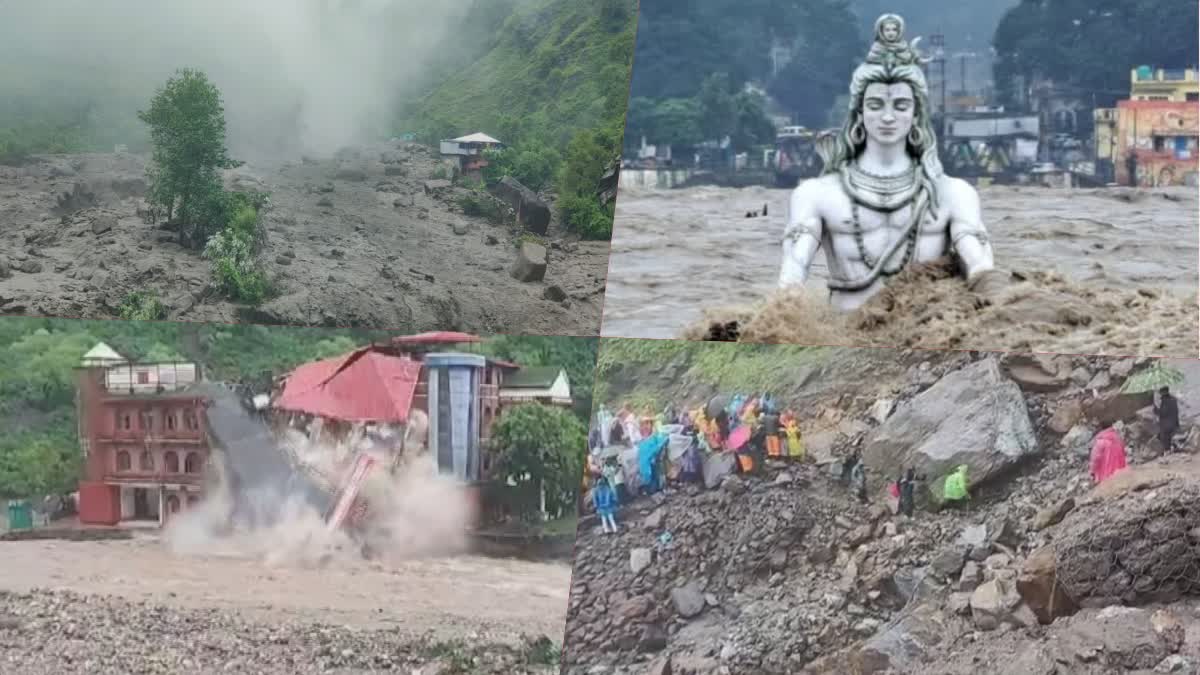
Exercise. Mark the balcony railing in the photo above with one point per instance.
(184, 436)
(138, 476)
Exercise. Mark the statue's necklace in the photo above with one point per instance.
(885, 194)
(880, 193)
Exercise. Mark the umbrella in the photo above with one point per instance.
(738, 437)
(1156, 376)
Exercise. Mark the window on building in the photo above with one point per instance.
(172, 504)
(143, 377)
(170, 420)
(1193, 96)
(191, 464)
(124, 461)
(171, 462)
(189, 419)
(1159, 144)
(146, 461)
(126, 421)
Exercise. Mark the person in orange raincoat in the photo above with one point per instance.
(1108, 453)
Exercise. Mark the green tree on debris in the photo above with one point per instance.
(187, 129)
(539, 450)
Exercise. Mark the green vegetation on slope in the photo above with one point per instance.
(551, 83)
(645, 372)
(39, 449)
(552, 69)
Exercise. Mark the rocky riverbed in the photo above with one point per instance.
(51, 632)
(136, 606)
(1041, 573)
(358, 239)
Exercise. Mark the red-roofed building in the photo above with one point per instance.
(363, 386)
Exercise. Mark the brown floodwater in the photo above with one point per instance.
(1107, 270)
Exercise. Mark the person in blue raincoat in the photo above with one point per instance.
(604, 498)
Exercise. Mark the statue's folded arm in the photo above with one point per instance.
(969, 238)
(802, 237)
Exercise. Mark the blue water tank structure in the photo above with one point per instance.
(453, 390)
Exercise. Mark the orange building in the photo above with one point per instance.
(1156, 143)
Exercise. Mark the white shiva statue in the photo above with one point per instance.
(883, 200)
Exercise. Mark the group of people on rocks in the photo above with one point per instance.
(650, 449)
(672, 444)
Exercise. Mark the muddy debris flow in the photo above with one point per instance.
(356, 239)
(134, 606)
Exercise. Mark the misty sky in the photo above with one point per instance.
(313, 75)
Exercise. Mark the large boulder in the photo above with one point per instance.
(531, 263)
(974, 416)
(1038, 372)
(1134, 547)
(905, 645)
(1114, 406)
(1039, 588)
(531, 211)
(437, 187)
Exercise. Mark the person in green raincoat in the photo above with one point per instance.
(954, 490)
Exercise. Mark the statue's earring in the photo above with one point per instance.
(916, 136)
(858, 133)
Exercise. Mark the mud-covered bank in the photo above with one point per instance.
(354, 240)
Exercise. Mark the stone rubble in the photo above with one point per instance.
(786, 573)
(59, 633)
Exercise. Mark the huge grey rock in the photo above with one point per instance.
(974, 416)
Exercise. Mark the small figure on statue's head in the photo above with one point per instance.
(889, 42)
(889, 29)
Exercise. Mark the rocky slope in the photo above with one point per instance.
(354, 240)
(786, 573)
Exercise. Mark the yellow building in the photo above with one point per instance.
(1178, 85)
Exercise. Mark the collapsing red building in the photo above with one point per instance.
(385, 385)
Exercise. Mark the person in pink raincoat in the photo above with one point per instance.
(1108, 453)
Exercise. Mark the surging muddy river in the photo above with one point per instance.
(678, 256)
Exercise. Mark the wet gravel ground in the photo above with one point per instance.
(58, 632)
